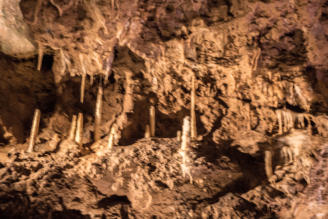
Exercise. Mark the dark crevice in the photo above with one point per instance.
(113, 200)
(296, 109)
(24, 89)
(47, 63)
(69, 214)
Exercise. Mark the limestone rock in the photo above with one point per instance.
(15, 35)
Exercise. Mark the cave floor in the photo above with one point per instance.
(146, 180)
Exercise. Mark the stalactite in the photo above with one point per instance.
(152, 121)
(309, 127)
(83, 79)
(279, 118)
(60, 67)
(40, 56)
(300, 97)
(97, 62)
(288, 121)
(107, 66)
(82, 88)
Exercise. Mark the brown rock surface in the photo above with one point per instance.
(15, 35)
(261, 70)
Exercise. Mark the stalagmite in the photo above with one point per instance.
(279, 117)
(112, 138)
(147, 132)
(179, 136)
(79, 130)
(152, 121)
(184, 146)
(268, 164)
(73, 127)
(193, 117)
(40, 56)
(300, 121)
(185, 133)
(34, 129)
(98, 113)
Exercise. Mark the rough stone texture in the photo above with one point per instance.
(261, 72)
(145, 180)
(15, 35)
(253, 61)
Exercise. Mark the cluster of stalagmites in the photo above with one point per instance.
(76, 129)
(286, 121)
(188, 133)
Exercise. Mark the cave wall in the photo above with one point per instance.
(15, 36)
(261, 66)
(22, 90)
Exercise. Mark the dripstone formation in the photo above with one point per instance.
(163, 109)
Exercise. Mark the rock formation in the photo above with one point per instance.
(260, 74)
